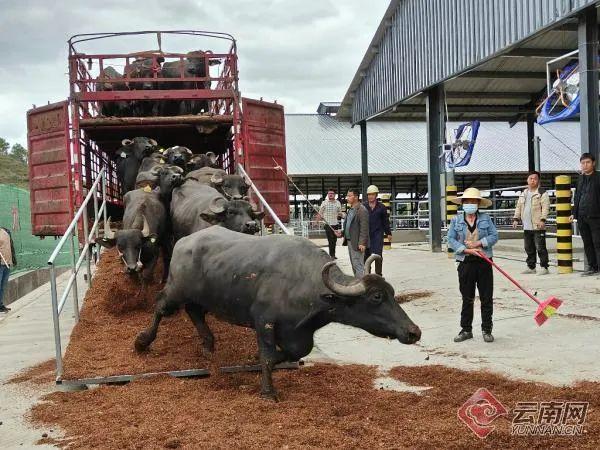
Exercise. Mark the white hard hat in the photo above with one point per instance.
(372, 189)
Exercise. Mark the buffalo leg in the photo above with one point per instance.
(165, 306)
(269, 356)
(167, 252)
(197, 315)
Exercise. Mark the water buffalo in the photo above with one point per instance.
(284, 287)
(231, 186)
(194, 65)
(196, 206)
(111, 80)
(144, 231)
(143, 67)
(178, 156)
(208, 159)
(129, 158)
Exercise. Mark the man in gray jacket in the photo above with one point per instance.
(356, 232)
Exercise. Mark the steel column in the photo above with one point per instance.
(531, 142)
(364, 158)
(588, 81)
(435, 139)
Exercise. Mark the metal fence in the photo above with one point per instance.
(15, 215)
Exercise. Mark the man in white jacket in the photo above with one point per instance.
(531, 212)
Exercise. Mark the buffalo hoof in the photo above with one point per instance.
(271, 396)
(143, 341)
(208, 350)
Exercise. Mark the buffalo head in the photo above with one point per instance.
(178, 156)
(236, 215)
(169, 177)
(369, 304)
(129, 243)
(208, 159)
(138, 147)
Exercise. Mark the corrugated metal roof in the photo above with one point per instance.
(322, 145)
(418, 44)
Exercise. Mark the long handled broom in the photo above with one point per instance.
(545, 310)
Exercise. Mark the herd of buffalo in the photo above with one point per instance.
(284, 287)
(195, 65)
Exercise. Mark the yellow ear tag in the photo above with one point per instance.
(147, 188)
(162, 161)
(153, 240)
(161, 150)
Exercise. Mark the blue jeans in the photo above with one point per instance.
(4, 272)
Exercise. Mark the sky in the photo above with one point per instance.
(296, 52)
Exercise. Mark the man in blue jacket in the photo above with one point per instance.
(469, 235)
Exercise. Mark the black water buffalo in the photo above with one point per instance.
(284, 287)
(178, 156)
(231, 186)
(129, 158)
(194, 65)
(144, 67)
(208, 159)
(196, 206)
(111, 80)
(144, 232)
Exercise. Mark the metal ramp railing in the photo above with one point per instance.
(72, 233)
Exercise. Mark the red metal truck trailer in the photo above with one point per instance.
(71, 141)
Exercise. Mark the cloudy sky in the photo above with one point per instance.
(298, 52)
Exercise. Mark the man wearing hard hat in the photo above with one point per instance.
(379, 226)
(469, 235)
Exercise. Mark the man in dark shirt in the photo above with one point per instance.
(586, 209)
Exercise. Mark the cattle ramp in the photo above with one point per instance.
(94, 331)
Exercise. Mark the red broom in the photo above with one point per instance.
(545, 310)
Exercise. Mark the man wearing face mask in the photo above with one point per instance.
(469, 235)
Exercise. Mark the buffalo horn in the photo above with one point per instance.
(216, 179)
(188, 151)
(153, 142)
(217, 205)
(108, 233)
(146, 228)
(212, 157)
(126, 142)
(369, 262)
(354, 290)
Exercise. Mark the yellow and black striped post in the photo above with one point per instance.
(385, 199)
(451, 210)
(564, 240)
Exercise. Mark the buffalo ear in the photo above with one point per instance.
(259, 215)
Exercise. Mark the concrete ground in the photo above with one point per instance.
(562, 351)
(27, 339)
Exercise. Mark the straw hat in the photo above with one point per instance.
(372, 189)
(472, 193)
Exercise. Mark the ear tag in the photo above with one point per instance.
(161, 150)
(153, 240)
(162, 161)
(147, 188)
(123, 155)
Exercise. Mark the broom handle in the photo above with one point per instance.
(509, 277)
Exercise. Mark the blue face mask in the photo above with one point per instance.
(470, 208)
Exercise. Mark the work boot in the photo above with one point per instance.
(544, 271)
(4, 309)
(463, 336)
(528, 271)
(487, 336)
(589, 273)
